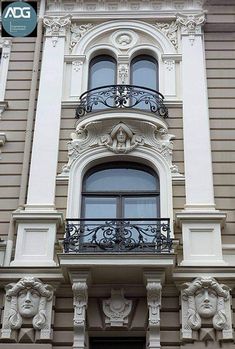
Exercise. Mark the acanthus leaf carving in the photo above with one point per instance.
(170, 30)
(117, 309)
(56, 26)
(191, 25)
(203, 300)
(77, 33)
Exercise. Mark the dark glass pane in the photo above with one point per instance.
(140, 207)
(117, 344)
(144, 72)
(121, 179)
(102, 71)
(100, 207)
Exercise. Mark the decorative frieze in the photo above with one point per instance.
(117, 309)
(28, 303)
(206, 310)
(105, 7)
(170, 30)
(191, 25)
(77, 33)
(56, 27)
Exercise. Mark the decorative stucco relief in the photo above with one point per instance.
(124, 39)
(80, 304)
(117, 309)
(6, 45)
(191, 25)
(106, 6)
(56, 27)
(119, 138)
(77, 32)
(123, 73)
(206, 310)
(154, 305)
(29, 301)
(170, 30)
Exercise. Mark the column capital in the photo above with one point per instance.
(191, 24)
(56, 26)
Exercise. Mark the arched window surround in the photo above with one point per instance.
(156, 44)
(97, 156)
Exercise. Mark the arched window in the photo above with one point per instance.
(102, 71)
(144, 72)
(121, 190)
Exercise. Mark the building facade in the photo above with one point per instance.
(117, 177)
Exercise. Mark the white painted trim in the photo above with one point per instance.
(47, 126)
(91, 44)
(197, 148)
(94, 156)
(5, 46)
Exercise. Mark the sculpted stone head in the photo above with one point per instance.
(206, 299)
(28, 298)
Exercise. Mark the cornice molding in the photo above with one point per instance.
(128, 9)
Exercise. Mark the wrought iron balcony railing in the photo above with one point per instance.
(118, 235)
(121, 96)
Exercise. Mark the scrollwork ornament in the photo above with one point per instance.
(77, 33)
(204, 299)
(170, 30)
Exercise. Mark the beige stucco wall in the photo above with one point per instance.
(220, 63)
(13, 124)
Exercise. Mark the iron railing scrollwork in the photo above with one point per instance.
(118, 235)
(121, 96)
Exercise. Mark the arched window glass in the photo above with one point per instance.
(121, 190)
(144, 72)
(102, 71)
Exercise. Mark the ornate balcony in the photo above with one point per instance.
(118, 235)
(123, 97)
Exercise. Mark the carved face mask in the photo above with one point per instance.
(206, 302)
(121, 136)
(28, 302)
